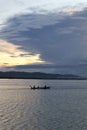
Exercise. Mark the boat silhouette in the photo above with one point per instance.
(44, 87)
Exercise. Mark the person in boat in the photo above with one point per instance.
(34, 87)
(45, 86)
(38, 87)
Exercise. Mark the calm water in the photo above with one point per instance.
(63, 107)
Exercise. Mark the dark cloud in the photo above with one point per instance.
(5, 63)
(80, 69)
(21, 55)
(59, 38)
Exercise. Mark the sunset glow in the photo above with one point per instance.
(71, 11)
(11, 55)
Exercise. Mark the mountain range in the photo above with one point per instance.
(36, 75)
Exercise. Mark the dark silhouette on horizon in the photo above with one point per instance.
(36, 75)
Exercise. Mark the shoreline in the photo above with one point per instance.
(45, 78)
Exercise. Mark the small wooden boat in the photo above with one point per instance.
(45, 87)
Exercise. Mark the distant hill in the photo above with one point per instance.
(36, 75)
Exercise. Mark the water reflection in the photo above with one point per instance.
(56, 109)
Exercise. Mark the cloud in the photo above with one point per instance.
(80, 69)
(59, 39)
(11, 55)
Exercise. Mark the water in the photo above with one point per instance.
(63, 107)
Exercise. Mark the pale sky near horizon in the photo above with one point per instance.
(45, 33)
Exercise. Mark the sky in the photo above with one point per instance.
(44, 36)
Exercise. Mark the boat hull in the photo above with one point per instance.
(40, 87)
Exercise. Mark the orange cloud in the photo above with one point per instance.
(70, 11)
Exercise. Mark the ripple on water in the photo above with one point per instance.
(54, 109)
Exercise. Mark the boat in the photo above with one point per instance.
(44, 87)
